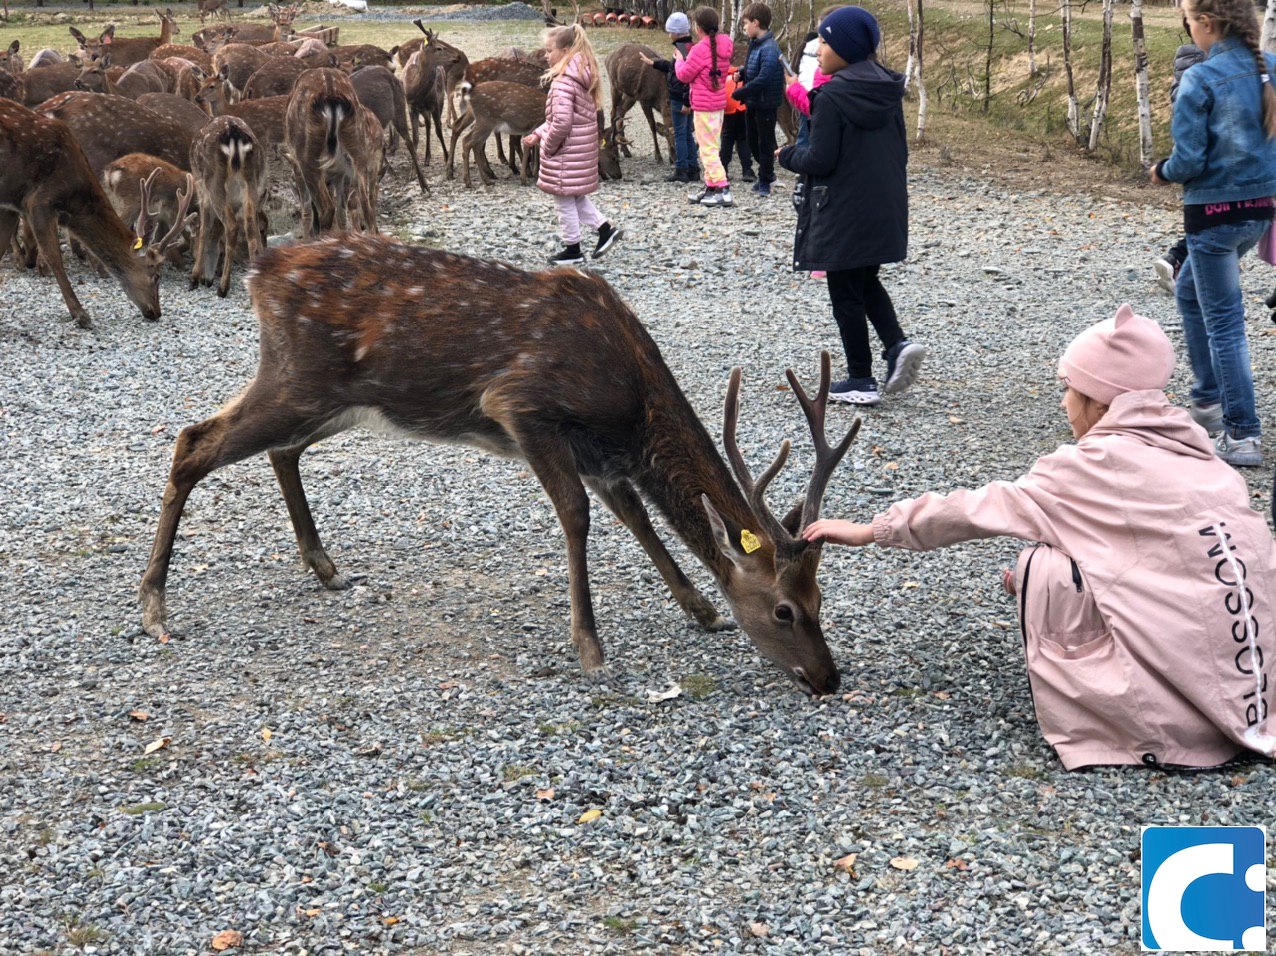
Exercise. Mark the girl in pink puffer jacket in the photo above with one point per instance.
(569, 141)
(705, 71)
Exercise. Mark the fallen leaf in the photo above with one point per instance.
(956, 421)
(910, 584)
(904, 863)
(943, 694)
(139, 715)
(1239, 780)
(266, 734)
(891, 466)
(672, 691)
(227, 939)
(760, 930)
(589, 816)
(313, 912)
(158, 428)
(449, 685)
(876, 450)
(55, 746)
(955, 864)
(546, 794)
(159, 744)
(847, 862)
(389, 920)
(164, 638)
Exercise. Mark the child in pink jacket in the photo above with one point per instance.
(568, 141)
(1146, 608)
(705, 71)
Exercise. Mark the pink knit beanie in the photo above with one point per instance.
(1126, 353)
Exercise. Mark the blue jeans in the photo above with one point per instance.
(804, 130)
(1209, 300)
(686, 155)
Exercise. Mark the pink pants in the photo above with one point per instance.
(574, 212)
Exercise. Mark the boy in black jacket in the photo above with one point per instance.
(854, 213)
(761, 90)
(686, 156)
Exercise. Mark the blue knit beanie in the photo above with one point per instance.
(852, 32)
(678, 24)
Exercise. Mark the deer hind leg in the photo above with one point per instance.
(438, 128)
(207, 243)
(230, 242)
(286, 461)
(45, 229)
(651, 122)
(622, 500)
(256, 421)
(457, 129)
(8, 230)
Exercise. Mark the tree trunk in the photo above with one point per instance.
(1268, 41)
(1104, 86)
(992, 6)
(1141, 82)
(912, 47)
(1032, 37)
(917, 69)
(1074, 118)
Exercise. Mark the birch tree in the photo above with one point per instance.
(1074, 112)
(1268, 41)
(1141, 82)
(917, 72)
(1104, 85)
(912, 46)
(992, 23)
(1032, 37)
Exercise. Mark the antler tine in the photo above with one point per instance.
(826, 458)
(753, 491)
(181, 222)
(144, 212)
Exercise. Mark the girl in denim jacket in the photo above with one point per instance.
(1225, 157)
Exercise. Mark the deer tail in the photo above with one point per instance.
(333, 110)
(236, 146)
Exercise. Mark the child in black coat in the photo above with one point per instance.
(854, 212)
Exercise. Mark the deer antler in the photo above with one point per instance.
(826, 458)
(144, 212)
(754, 491)
(181, 221)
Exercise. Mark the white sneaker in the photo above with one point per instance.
(698, 197)
(1209, 417)
(902, 362)
(1239, 452)
(1166, 274)
(855, 391)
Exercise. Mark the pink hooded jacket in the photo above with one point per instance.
(695, 70)
(800, 96)
(1178, 566)
(569, 135)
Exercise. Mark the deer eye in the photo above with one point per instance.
(783, 613)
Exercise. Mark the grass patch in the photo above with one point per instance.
(514, 771)
(1026, 771)
(551, 729)
(80, 934)
(378, 888)
(698, 686)
(618, 924)
(874, 780)
(137, 809)
(146, 764)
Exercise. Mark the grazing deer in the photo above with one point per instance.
(264, 117)
(633, 81)
(138, 178)
(108, 127)
(425, 90)
(212, 8)
(550, 367)
(235, 63)
(379, 90)
(496, 107)
(176, 108)
(10, 61)
(535, 57)
(354, 56)
(326, 133)
(230, 175)
(45, 178)
(125, 51)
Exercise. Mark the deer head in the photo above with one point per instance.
(769, 578)
(150, 248)
(10, 62)
(94, 48)
(608, 151)
(93, 77)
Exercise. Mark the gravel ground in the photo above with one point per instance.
(403, 767)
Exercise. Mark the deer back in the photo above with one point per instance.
(46, 57)
(504, 70)
(379, 90)
(506, 108)
(276, 77)
(195, 55)
(535, 57)
(176, 108)
(143, 77)
(236, 62)
(354, 56)
(634, 78)
(10, 60)
(228, 163)
(44, 82)
(108, 127)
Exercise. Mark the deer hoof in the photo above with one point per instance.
(720, 623)
(337, 582)
(82, 318)
(600, 675)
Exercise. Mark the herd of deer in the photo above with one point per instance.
(358, 329)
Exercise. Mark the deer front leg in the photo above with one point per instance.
(286, 461)
(438, 128)
(45, 228)
(651, 123)
(8, 229)
(206, 245)
(622, 500)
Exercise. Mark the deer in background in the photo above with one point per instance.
(265, 117)
(235, 63)
(425, 89)
(633, 81)
(10, 61)
(125, 51)
(230, 176)
(140, 78)
(108, 127)
(550, 367)
(44, 82)
(496, 107)
(138, 178)
(327, 136)
(379, 91)
(45, 178)
(212, 8)
(282, 19)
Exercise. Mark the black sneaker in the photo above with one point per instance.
(903, 359)
(855, 391)
(607, 237)
(569, 256)
(747, 176)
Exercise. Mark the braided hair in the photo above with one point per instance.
(706, 18)
(1237, 18)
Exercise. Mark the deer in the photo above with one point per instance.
(230, 173)
(510, 71)
(45, 178)
(379, 90)
(496, 107)
(276, 77)
(181, 51)
(108, 127)
(354, 56)
(45, 82)
(552, 368)
(265, 117)
(10, 60)
(282, 19)
(425, 90)
(235, 63)
(177, 109)
(212, 8)
(138, 179)
(326, 134)
(46, 57)
(12, 88)
(453, 60)
(125, 51)
(140, 78)
(633, 81)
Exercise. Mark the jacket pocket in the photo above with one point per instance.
(819, 198)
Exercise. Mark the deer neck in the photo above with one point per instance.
(679, 464)
(166, 31)
(94, 221)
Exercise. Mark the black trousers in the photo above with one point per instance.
(761, 127)
(858, 297)
(735, 139)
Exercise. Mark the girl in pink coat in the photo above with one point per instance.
(705, 71)
(1147, 607)
(568, 141)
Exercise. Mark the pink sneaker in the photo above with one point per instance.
(819, 274)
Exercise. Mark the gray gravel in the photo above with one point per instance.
(417, 722)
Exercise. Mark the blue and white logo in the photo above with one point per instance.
(1204, 889)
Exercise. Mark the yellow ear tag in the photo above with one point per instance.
(749, 541)
(137, 243)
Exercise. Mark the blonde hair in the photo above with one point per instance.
(1237, 18)
(574, 40)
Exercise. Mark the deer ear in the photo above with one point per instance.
(80, 38)
(13, 47)
(75, 58)
(224, 73)
(793, 519)
(725, 539)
